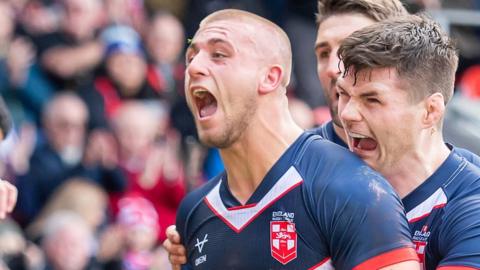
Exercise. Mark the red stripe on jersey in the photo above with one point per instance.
(388, 258)
(242, 207)
(456, 268)
(427, 214)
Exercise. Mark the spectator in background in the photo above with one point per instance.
(25, 93)
(37, 17)
(62, 155)
(165, 41)
(8, 192)
(149, 157)
(81, 196)
(16, 253)
(127, 76)
(139, 220)
(67, 243)
(5, 120)
(128, 12)
(70, 55)
(299, 24)
(133, 237)
(21, 83)
(462, 118)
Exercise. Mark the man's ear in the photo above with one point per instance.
(435, 109)
(271, 79)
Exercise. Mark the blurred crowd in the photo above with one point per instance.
(103, 146)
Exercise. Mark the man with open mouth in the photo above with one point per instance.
(337, 20)
(398, 77)
(286, 199)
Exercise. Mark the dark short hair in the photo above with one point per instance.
(423, 55)
(376, 10)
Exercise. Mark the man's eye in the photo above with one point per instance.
(323, 54)
(373, 100)
(218, 55)
(189, 58)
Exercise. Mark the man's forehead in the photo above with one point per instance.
(336, 28)
(378, 78)
(225, 29)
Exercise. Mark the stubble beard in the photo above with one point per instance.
(235, 126)
(332, 101)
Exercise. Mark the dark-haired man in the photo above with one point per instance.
(289, 190)
(398, 77)
(338, 19)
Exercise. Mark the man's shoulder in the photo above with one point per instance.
(463, 193)
(325, 159)
(332, 172)
(465, 180)
(323, 148)
(468, 155)
(193, 198)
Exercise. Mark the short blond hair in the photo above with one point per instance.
(273, 35)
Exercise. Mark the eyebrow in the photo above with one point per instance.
(371, 93)
(321, 45)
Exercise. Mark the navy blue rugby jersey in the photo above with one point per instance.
(326, 131)
(469, 156)
(444, 216)
(319, 207)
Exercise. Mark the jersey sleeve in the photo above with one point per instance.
(360, 216)
(181, 223)
(187, 208)
(459, 236)
(471, 157)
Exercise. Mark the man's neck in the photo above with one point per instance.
(249, 160)
(416, 167)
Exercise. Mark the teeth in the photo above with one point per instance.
(199, 93)
(357, 136)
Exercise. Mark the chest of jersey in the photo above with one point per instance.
(276, 233)
(423, 221)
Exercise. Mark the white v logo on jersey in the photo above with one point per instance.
(200, 244)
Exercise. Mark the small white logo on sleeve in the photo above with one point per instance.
(201, 259)
(200, 244)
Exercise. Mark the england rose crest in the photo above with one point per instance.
(283, 241)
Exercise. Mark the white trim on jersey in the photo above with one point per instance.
(323, 265)
(238, 218)
(437, 200)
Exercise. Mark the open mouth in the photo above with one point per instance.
(362, 142)
(206, 103)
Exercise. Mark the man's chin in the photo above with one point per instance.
(215, 142)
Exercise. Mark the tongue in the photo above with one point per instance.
(208, 105)
(208, 110)
(367, 144)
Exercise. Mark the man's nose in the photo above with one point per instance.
(333, 68)
(198, 66)
(350, 111)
